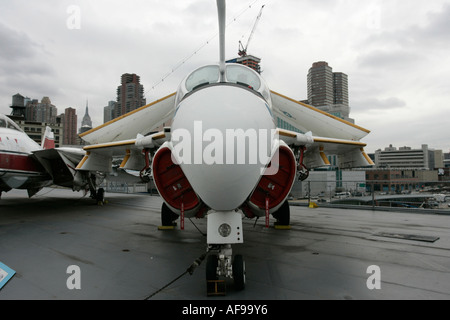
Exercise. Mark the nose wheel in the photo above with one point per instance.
(239, 272)
(220, 263)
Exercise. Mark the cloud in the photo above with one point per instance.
(384, 60)
(378, 104)
(437, 30)
(18, 51)
(15, 44)
(23, 65)
(403, 46)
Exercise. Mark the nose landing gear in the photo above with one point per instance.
(224, 229)
(220, 263)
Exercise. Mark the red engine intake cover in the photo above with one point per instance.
(171, 182)
(276, 187)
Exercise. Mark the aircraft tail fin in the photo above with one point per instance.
(48, 141)
(221, 8)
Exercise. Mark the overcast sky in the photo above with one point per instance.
(395, 53)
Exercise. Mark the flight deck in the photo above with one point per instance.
(120, 253)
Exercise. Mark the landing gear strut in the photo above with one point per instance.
(220, 263)
(98, 195)
(302, 170)
(146, 172)
(224, 230)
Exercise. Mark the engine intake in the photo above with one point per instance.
(276, 187)
(172, 183)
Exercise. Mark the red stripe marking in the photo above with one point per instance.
(18, 162)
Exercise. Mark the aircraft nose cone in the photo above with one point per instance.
(222, 141)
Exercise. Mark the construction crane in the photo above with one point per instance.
(243, 50)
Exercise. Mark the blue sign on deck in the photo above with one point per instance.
(6, 273)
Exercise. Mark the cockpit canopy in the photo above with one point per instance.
(235, 73)
(6, 122)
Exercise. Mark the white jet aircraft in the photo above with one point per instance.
(24, 164)
(204, 165)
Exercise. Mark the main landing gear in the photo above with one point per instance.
(168, 217)
(283, 215)
(97, 195)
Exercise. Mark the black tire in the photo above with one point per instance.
(239, 272)
(100, 196)
(211, 267)
(283, 214)
(167, 216)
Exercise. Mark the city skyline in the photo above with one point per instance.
(394, 53)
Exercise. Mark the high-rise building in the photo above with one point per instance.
(44, 111)
(340, 87)
(86, 123)
(130, 94)
(108, 111)
(320, 84)
(70, 126)
(33, 117)
(328, 90)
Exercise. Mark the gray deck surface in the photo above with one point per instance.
(122, 254)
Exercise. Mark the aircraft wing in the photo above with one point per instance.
(307, 118)
(351, 153)
(59, 163)
(140, 121)
(99, 156)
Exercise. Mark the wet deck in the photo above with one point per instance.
(122, 254)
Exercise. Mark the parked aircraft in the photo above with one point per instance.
(204, 164)
(24, 164)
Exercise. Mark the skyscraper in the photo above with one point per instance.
(130, 94)
(340, 87)
(108, 111)
(86, 123)
(44, 111)
(320, 84)
(70, 126)
(328, 90)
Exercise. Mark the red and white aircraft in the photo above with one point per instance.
(24, 164)
(223, 156)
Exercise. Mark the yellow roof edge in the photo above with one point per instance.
(322, 112)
